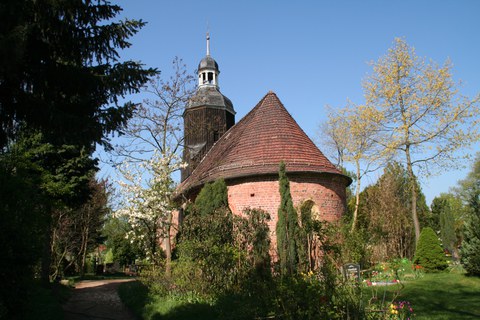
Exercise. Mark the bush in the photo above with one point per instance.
(429, 253)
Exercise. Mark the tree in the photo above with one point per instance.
(63, 173)
(38, 179)
(77, 231)
(287, 228)
(156, 124)
(147, 203)
(384, 214)
(423, 116)
(429, 253)
(213, 196)
(22, 229)
(448, 212)
(60, 71)
(207, 254)
(60, 77)
(115, 231)
(353, 131)
(469, 191)
(154, 134)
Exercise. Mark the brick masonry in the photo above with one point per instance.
(326, 191)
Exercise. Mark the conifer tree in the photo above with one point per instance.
(470, 193)
(213, 196)
(287, 227)
(429, 253)
(60, 70)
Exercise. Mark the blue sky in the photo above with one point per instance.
(310, 53)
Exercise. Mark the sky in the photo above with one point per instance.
(310, 53)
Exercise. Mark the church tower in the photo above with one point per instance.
(208, 116)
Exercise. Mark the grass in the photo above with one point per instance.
(135, 295)
(438, 296)
(441, 296)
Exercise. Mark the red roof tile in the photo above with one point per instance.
(257, 144)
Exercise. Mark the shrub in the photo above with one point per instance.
(429, 252)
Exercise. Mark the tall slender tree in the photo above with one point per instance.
(424, 118)
(287, 226)
(469, 191)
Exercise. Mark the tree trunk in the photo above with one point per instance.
(47, 249)
(84, 251)
(413, 187)
(357, 196)
(168, 247)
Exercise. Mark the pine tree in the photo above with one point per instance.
(287, 227)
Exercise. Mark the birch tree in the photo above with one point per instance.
(424, 118)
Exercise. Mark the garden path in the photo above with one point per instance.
(96, 299)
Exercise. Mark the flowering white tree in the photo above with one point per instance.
(147, 190)
(147, 158)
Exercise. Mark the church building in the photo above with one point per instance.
(247, 154)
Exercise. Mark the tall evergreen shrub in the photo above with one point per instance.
(287, 227)
(213, 196)
(470, 251)
(429, 253)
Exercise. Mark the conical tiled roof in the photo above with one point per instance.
(257, 144)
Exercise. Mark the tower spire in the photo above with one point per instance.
(208, 43)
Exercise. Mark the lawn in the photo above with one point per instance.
(436, 296)
(442, 296)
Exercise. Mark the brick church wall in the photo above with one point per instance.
(325, 190)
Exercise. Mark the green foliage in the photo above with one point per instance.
(287, 228)
(134, 295)
(429, 253)
(448, 213)
(207, 255)
(124, 251)
(22, 229)
(385, 214)
(470, 193)
(471, 245)
(60, 69)
(320, 295)
(60, 80)
(355, 246)
(211, 197)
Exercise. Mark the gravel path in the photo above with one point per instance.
(96, 299)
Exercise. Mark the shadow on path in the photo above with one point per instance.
(97, 299)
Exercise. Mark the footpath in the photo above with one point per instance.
(96, 300)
